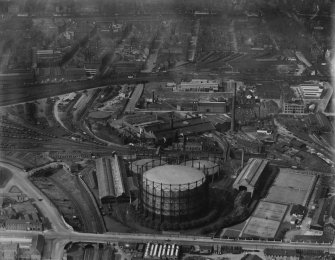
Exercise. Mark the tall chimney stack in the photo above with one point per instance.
(232, 125)
(171, 121)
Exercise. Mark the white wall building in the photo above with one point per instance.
(311, 91)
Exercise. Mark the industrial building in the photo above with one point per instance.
(186, 127)
(112, 179)
(293, 108)
(91, 69)
(249, 177)
(8, 80)
(211, 107)
(311, 91)
(47, 55)
(198, 85)
(174, 193)
(46, 58)
(230, 85)
(188, 146)
(75, 74)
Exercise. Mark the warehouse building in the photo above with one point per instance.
(311, 91)
(170, 130)
(198, 85)
(211, 107)
(249, 177)
(112, 179)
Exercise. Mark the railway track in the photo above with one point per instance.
(76, 204)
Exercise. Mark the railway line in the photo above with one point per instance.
(38, 91)
(82, 216)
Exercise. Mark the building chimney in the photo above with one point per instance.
(232, 125)
(153, 96)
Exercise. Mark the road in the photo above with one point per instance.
(43, 203)
(56, 115)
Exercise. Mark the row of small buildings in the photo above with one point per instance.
(161, 251)
(292, 254)
(323, 219)
(21, 224)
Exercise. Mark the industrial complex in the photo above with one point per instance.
(176, 130)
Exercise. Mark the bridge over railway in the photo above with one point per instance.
(64, 237)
